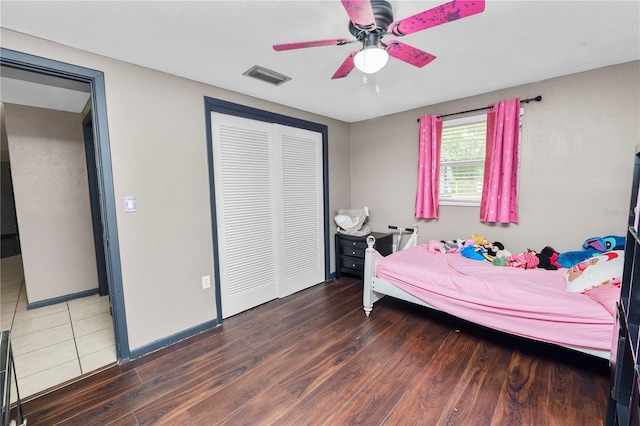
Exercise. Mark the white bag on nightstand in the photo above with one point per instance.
(351, 221)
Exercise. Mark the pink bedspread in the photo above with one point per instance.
(528, 303)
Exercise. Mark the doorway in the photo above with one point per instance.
(99, 165)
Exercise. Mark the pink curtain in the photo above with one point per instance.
(500, 191)
(429, 167)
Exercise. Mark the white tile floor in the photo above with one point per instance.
(54, 343)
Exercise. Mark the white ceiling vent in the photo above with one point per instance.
(266, 75)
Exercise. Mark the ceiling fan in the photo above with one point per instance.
(371, 20)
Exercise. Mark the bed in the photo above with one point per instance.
(528, 303)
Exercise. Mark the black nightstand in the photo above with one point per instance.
(350, 252)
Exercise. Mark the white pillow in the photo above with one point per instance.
(596, 271)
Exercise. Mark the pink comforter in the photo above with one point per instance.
(528, 303)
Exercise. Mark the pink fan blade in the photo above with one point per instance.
(409, 54)
(361, 14)
(438, 15)
(304, 44)
(346, 67)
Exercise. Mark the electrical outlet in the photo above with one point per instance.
(206, 281)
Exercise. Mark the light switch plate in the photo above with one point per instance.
(206, 282)
(129, 204)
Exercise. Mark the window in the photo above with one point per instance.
(462, 160)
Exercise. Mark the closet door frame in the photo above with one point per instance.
(230, 108)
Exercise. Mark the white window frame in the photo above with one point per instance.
(459, 122)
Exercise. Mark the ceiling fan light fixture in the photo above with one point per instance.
(370, 60)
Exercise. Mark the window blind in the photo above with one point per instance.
(462, 161)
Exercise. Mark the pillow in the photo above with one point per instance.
(595, 272)
(607, 295)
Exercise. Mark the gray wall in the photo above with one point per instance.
(577, 152)
(158, 148)
(49, 173)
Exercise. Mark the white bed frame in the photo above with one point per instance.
(376, 288)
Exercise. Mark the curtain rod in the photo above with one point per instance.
(522, 101)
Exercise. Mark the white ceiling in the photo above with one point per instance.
(43, 91)
(510, 43)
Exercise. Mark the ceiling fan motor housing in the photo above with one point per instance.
(384, 17)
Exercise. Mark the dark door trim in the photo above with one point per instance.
(104, 175)
(94, 201)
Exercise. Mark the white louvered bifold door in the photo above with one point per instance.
(243, 154)
(300, 204)
(269, 210)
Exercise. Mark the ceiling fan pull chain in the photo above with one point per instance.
(364, 79)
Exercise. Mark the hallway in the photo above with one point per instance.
(55, 343)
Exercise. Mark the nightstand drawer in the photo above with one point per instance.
(352, 263)
(352, 251)
(352, 244)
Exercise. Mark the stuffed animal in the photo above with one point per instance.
(473, 252)
(454, 246)
(479, 240)
(503, 254)
(497, 250)
(569, 259)
(492, 249)
(548, 259)
(435, 246)
(604, 244)
(553, 256)
(591, 247)
(527, 260)
(500, 261)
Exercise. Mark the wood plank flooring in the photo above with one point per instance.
(314, 358)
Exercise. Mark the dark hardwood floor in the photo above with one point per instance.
(314, 358)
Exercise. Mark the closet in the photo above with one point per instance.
(269, 210)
